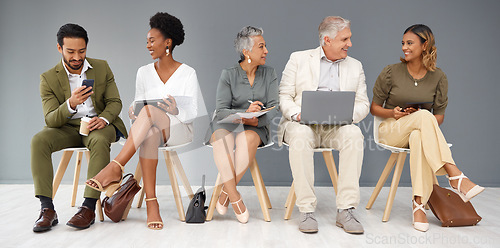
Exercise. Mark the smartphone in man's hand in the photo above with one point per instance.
(88, 83)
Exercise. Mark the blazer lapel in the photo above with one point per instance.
(314, 64)
(63, 80)
(343, 74)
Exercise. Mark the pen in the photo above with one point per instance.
(262, 106)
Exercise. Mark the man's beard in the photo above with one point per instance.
(73, 67)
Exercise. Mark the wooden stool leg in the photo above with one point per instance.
(76, 177)
(99, 210)
(63, 165)
(138, 177)
(180, 170)
(394, 185)
(257, 170)
(290, 202)
(332, 169)
(141, 196)
(383, 177)
(289, 197)
(214, 198)
(175, 186)
(259, 187)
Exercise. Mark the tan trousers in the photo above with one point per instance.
(428, 148)
(348, 140)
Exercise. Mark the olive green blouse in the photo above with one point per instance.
(396, 87)
(233, 93)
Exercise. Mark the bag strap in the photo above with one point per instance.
(203, 182)
(128, 175)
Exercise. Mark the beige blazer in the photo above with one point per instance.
(302, 73)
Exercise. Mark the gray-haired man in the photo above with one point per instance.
(325, 68)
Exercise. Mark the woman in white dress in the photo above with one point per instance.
(165, 124)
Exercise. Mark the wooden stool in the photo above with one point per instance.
(332, 170)
(61, 169)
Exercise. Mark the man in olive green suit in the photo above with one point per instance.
(65, 101)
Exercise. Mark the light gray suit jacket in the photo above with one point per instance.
(302, 73)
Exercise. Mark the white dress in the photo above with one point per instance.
(182, 84)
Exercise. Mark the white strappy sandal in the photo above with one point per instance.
(471, 193)
(420, 226)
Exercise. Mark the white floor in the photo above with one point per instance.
(20, 209)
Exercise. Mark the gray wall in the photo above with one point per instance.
(466, 34)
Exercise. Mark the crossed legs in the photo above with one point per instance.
(429, 154)
(150, 129)
(232, 156)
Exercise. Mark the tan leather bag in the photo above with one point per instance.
(450, 209)
(115, 206)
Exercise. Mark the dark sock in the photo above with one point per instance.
(46, 202)
(90, 203)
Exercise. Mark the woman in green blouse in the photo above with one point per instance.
(248, 86)
(416, 79)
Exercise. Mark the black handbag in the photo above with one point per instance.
(196, 209)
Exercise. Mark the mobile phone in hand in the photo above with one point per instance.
(88, 83)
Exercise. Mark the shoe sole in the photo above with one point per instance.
(308, 230)
(81, 227)
(46, 228)
(347, 231)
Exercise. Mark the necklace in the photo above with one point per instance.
(417, 75)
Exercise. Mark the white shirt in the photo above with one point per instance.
(86, 109)
(329, 79)
(183, 82)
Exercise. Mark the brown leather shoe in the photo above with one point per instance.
(82, 219)
(46, 220)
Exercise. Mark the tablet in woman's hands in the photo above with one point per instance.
(419, 105)
(138, 105)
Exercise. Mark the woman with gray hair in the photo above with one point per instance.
(248, 86)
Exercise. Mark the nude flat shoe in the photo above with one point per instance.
(222, 208)
(243, 216)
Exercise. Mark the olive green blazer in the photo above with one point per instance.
(55, 90)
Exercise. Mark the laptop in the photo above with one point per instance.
(327, 107)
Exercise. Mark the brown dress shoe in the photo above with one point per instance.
(82, 219)
(46, 220)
